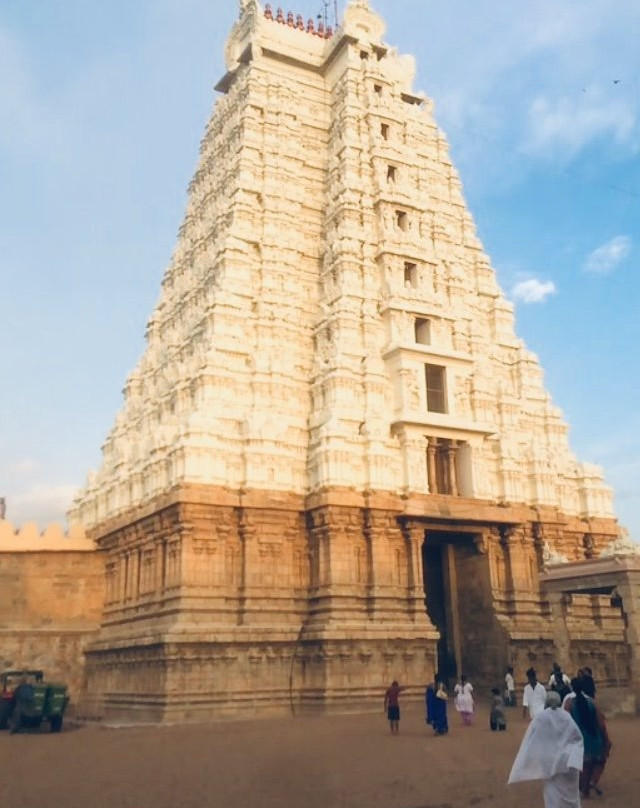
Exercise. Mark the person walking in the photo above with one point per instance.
(551, 750)
(392, 706)
(559, 681)
(588, 684)
(597, 744)
(533, 697)
(22, 699)
(440, 723)
(464, 700)
(497, 716)
(509, 688)
(430, 699)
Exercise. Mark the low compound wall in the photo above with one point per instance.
(51, 598)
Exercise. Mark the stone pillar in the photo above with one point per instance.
(452, 451)
(453, 616)
(414, 537)
(559, 601)
(521, 593)
(432, 475)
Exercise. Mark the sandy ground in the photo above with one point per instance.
(323, 762)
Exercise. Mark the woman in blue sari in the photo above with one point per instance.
(597, 745)
(436, 703)
(430, 698)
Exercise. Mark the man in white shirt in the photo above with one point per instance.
(534, 696)
(509, 688)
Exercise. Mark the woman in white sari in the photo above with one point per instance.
(552, 750)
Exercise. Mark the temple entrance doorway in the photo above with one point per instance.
(459, 603)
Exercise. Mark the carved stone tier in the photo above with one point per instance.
(219, 604)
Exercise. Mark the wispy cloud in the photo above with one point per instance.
(607, 257)
(41, 503)
(541, 85)
(567, 125)
(533, 290)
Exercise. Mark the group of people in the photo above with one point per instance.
(436, 700)
(566, 743)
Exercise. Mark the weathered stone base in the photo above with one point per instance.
(195, 679)
(221, 604)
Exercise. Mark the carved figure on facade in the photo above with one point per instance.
(551, 556)
(622, 546)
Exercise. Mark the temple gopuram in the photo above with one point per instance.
(336, 463)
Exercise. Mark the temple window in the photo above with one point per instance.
(422, 331)
(436, 392)
(410, 274)
(391, 173)
(402, 220)
(384, 131)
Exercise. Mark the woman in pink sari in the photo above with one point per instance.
(464, 700)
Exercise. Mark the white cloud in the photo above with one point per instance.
(533, 290)
(524, 96)
(606, 258)
(40, 503)
(569, 124)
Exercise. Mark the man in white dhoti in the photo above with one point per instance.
(552, 750)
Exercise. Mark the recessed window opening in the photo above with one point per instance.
(436, 393)
(384, 131)
(391, 173)
(422, 331)
(377, 89)
(364, 55)
(402, 220)
(410, 274)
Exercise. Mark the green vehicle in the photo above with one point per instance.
(26, 700)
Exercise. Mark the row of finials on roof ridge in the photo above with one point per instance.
(297, 21)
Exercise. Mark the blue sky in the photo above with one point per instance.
(102, 107)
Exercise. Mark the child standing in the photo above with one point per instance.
(497, 717)
(392, 706)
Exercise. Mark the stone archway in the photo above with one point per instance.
(458, 600)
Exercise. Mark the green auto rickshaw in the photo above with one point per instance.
(27, 700)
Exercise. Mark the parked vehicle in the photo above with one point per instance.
(45, 701)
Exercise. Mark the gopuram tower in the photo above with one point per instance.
(336, 463)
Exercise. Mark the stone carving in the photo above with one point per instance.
(551, 556)
(622, 546)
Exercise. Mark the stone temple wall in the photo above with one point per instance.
(51, 600)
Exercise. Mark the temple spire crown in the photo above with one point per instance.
(361, 20)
